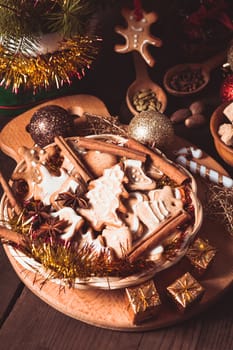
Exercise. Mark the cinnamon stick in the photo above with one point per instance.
(159, 162)
(69, 153)
(105, 147)
(10, 196)
(163, 231)
(11, 236)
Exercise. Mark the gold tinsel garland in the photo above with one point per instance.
(69, 262)
(71, 60)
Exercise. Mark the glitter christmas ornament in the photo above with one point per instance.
(226, 89)
(48, 122)
(152, 128)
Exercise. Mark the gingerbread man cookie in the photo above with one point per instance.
(137, 34)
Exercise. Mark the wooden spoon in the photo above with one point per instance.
(143, 82)
(184, 74)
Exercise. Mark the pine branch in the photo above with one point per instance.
(70, 17)
(20, 18)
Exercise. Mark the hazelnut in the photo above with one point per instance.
(180, 115)
(197, 107)
(195, 121)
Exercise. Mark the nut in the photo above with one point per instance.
(195, 121)
(180, 115)
(197, 107)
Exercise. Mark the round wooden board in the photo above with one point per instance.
(109, 308)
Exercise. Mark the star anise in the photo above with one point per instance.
(73, 199)
(38, 210)
(52, 228)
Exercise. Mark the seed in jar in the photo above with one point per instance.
(146, 99)
(187, 80)
(145, 94)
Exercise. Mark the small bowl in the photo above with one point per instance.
(178, 70)
(218, 118)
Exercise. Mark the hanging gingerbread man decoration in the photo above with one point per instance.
(137, 34)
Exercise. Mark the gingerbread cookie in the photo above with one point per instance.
(165, 201)
(137, 34)
(160, 204)
(119, 239)
(97, 161)
(105, 199)
(137, 178)
(130, 217)
(75, 222)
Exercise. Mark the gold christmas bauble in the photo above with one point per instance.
(152, 128)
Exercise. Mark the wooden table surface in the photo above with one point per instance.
(27, 322)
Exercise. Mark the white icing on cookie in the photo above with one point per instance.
(138, 180)
(49, 184)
